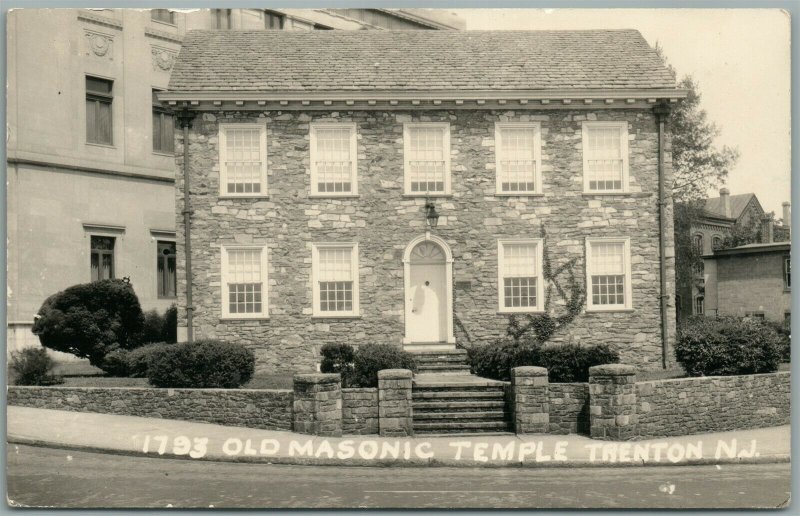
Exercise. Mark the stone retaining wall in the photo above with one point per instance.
(569, 408)
(712, 404)
(360, 411)
(265, 409)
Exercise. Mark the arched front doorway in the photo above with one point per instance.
(428, 266)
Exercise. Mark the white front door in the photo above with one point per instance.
(426, 321)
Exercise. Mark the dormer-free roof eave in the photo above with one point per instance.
(432, 99)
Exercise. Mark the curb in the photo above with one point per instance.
(410, 463)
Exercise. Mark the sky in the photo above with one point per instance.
(741, 59)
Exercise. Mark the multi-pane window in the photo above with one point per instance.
(605, 157)
(165, 269)
(699, 305)
(608, 274)
(697, 242)
(517, 158)
(716, 243)
(102, 257)
(244, 280)
(162, 15)
(519, 278)
(221, 18)
(427, 158)
(273, 20)
(99, 99)
(333, 159)
(163, 127)
(243, 160)
(787, 273)
(335, 279)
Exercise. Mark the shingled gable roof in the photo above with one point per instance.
(715, 208)
(405, 61)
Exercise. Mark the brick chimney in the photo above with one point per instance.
(766, 231)
(725, 196)
(787, 214)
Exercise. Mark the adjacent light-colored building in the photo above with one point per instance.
(91, 153)
(316, 183)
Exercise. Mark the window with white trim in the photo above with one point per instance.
(605, 157)
(608, 272)
(333, 159)
(517, 158)
(243, 160)
(334, 275)
(426, 155)
(244, 282)
(520, 282)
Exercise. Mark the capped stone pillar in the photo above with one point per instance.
(612, 402)
(317, 406)
(394, 403)
(530, 396)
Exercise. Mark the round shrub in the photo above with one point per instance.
(138, 359)
(371, 358)
(202, 364)
(32, 366)
(115, 363)
(90, 320)
(338, 358)
(727, 346)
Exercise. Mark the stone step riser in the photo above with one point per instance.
(449, 360)
(444, 406)
(461, 427)
(452, 417)
(457, 396)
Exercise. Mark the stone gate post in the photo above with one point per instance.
(530, 395)
(394, 403)
(612, 402)
(317, 406)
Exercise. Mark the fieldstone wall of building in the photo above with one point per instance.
(265, 409)
(360, 411)
(713, 404)
(383, 221)
(569, 408)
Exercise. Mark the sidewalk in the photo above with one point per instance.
(146, 437)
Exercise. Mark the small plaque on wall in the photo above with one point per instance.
(463, 285)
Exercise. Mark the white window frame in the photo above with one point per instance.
(226, 314)
(624, 152)
(315, 247)
(353, 156)
(222, 140)
(537, 155)
(407, 127)
(539, 243)
(626, 258)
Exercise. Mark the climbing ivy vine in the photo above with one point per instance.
(543, 326)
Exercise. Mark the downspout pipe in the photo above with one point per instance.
(662, 112)
(185, 119)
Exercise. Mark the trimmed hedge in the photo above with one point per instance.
(90, 320)
(727, 346)
(565, 363)
(338, 358)
(202, 364)
(131, 363)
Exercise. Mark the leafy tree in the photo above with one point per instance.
(91, 319)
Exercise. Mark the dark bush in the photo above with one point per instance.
(338, 358)
(371, 358)
(115, 363)
(784, 332)
(91, 319)
(32, 366)
(202, 364)
(160, 328)
(727, 346)
(565, 363)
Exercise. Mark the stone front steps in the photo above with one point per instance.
(459, 404)
(452, 361)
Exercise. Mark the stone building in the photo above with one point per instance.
(90, 155)
(318, 163)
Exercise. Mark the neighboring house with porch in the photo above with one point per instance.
(393, 187)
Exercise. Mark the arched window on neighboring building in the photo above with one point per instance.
(716, 242)
(697, 241)
(699, 305)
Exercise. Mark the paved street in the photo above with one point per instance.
(55, 477)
